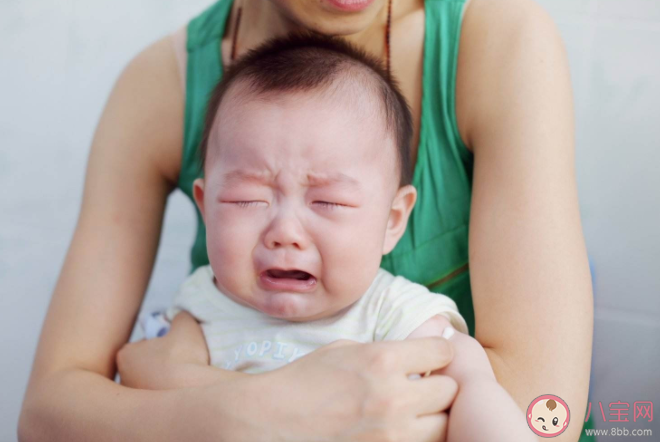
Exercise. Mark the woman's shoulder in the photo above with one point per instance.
(149, 92)
(500, 23)
(497, 35)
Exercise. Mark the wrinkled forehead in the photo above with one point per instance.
(343, 111)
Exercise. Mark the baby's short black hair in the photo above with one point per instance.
(303, 62)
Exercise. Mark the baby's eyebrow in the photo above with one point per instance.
(235, 177)
(315, 180)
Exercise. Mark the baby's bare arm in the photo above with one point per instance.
(180, 359)
(482, 410)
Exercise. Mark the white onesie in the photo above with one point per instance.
(244, 339)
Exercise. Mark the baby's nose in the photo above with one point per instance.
(286, 231)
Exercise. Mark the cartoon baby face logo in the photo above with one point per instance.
(548, 415)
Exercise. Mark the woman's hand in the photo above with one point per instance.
(347, 391)
(158, 364)
(344, 391)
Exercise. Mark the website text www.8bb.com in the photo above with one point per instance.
(619, 431)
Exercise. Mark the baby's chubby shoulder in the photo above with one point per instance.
(202, 274)
(400, 300)
(386, 284)
(192, 291)
(389, 294)
(200, 280)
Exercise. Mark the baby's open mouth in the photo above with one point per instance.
(289, 274)
(543, 426)
(287, 280)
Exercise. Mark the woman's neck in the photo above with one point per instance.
(261, 20)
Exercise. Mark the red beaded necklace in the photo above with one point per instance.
(387, 35)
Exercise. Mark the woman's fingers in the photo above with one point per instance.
(431, 395)
(371, 396)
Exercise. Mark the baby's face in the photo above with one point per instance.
(297, 201)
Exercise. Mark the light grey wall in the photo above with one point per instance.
(58, 62)
(59, 59)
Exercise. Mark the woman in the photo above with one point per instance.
(489, 87)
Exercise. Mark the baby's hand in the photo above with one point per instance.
(150, 364)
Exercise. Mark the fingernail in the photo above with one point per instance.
(448, 332)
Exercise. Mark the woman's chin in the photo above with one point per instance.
(335, 22)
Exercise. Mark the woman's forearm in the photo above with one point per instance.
(190, 375)
(79, 405)
(331, 394)
(527, 374)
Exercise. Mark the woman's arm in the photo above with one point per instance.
(529, 270)
(133, 165)
(131, 170)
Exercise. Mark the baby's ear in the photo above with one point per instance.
(403, 203)
(198, 194)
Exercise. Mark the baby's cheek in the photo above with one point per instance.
(230, 244)
(347, 270)
(355, 246)
(229, 229)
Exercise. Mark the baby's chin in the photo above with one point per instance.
(295, 307)
(287, 305)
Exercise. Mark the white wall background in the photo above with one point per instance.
(58, 62)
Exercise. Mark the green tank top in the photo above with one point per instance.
(434, 249)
